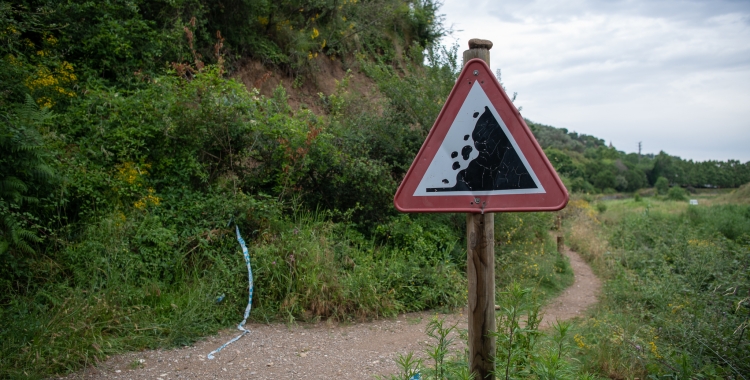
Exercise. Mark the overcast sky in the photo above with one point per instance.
(672, 74)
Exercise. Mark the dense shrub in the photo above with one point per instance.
(677, 194)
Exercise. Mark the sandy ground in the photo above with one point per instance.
(318, 351)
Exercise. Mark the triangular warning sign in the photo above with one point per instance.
(480, 156)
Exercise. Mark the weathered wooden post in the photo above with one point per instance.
(480, 267)
(560, 237)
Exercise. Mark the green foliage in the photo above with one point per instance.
(417, 93)
(594, 167)
(661, 185)
(523, 350)
(442, 363)
(24, 177)
(517, 331)
(677, 193)
(525, 253)
(676, 300)
(149, 177)
(601, 207)
(126, 41)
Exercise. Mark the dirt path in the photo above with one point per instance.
(578, 297)
(318, 351)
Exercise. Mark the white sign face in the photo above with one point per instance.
(478, 156)
(694, 202)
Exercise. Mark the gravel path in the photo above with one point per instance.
(318, 351)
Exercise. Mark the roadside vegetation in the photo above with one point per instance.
(127, 149)
(677, 294)
(675, 304)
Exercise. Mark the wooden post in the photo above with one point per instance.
(480, 268)
(560, 244)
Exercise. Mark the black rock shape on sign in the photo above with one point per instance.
(498, 166)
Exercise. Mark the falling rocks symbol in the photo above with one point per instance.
(497, 167)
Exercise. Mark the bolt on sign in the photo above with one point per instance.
(480, 156)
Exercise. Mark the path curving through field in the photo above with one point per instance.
(319, 351)
(578, 297)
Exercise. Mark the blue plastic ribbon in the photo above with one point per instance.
(241, 326)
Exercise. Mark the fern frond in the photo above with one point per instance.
(26, 235)
(13, 235)
(30, 113)
(12, 185)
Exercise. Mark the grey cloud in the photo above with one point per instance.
(687, 11)
(627, 71)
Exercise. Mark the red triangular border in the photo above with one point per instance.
(555, 196)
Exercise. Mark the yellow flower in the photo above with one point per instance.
(579, 341)
(314, 33)
(149, 199)
(654, 350)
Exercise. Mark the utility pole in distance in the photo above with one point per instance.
(480, 267)
(639, 151)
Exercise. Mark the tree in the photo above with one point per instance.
(636, 179)
(662, 185)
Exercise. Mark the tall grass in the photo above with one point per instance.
(676, 301)
(525, 253)
(133, 283)
(738, 196)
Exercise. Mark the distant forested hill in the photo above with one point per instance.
(590, 165)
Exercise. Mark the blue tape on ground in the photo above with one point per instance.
(241, 326)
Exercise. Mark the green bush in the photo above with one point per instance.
(601, 207)
(661, 186)
(677, 193)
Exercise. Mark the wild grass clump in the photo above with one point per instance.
(739, 196)
(676, 301)
(526, 253)
(317, 269)
(677, 193)
(583, 235)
